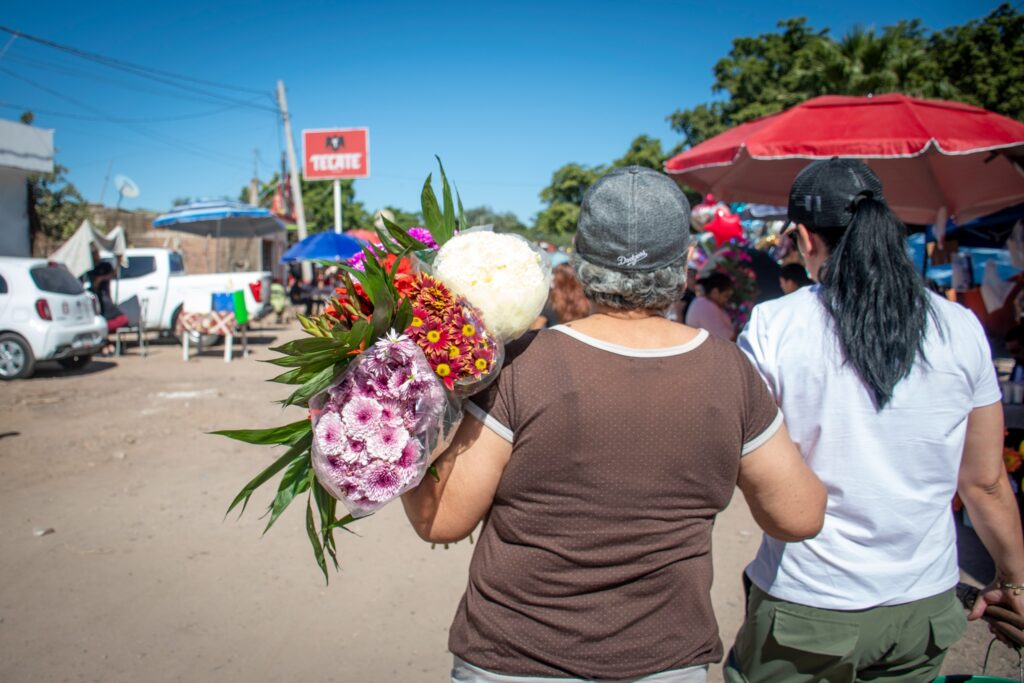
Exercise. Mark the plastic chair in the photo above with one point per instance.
(136, 324)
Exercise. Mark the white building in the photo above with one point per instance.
(23, 150)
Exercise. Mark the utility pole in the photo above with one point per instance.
(254, 184)
(300, 209)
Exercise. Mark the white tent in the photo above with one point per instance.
(76, 253)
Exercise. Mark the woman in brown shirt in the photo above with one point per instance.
(599, 460)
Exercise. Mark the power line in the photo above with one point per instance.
(122, 64)
(134, 87)
(159, 75)
(167, 140)
(109, 119)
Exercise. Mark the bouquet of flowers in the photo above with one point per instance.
(385, 367)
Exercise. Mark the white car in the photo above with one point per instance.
(45, 314)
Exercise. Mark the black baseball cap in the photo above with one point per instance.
(633, 219)
(825, 193)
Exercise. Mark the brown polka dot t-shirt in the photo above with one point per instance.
(595, 559)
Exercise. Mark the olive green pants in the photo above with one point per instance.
(783, 642)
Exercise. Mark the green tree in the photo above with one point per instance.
(983, 61)
(318, 200)
(643, 151)
(58, 205)
(558, 219)
(757, 76)
(502, 222)
(564, 194)
(405, 218)
(569, 183)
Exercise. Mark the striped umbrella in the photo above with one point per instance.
(220, 218)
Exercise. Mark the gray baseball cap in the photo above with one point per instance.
(633, 219)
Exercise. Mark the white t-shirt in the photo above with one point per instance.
(888, 537)
(706, 314)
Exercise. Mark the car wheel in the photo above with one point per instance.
(75, 362)
(207, 340)
(16, 359)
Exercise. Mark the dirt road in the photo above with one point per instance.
(118, 564)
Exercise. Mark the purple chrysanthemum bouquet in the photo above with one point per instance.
(374, 430)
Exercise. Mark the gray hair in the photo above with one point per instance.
(655, 290)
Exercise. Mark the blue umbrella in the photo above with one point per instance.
(328, 246)
(220, 218)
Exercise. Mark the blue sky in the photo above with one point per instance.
(505, 93)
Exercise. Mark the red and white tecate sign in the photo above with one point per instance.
(329, 154)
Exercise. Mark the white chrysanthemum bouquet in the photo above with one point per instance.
(419, 324)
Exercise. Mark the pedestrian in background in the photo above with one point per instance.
(566, 301)
(792, 277)
(890, 394)
(707, 311)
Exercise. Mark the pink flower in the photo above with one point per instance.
(391, 413)
(424, 236)
(387, 442)
(358, 261)
(330, 434)
(381, 482)
(410, 454)
(355, 451)
(361, 415)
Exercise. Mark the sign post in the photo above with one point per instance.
(337, 206)
(336, 154)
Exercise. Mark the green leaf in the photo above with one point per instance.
(297, 450)
(297, 479)
(403, 316)
(306, 346)
(303, 374)
(315, 385)
(462, 212)
(326, 506)
(432, 212)
(303, 361)
(448, 218)
(343, 522)
(273, 435)
(318, 551)
(402, 236)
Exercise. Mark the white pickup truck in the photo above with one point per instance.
(157, 277)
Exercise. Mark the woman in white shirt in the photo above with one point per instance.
(708, 310)
(890, 394)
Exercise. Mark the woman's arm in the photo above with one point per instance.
(985, 490)
(786, 498)
(448, 509)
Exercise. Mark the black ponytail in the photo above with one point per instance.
(875, 297)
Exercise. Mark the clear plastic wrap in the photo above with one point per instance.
(377, 429)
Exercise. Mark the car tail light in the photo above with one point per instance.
(257, 291)
(95, 305)
(43, 309)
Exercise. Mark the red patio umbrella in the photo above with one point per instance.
(931, 155)
(367, 236)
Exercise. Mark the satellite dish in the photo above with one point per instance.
(126, 187)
